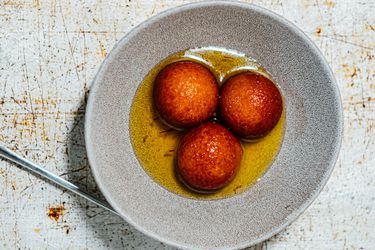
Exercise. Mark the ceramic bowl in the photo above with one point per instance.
(307, 156)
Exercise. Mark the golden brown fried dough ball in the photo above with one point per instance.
(185, 94)
(250, 104)
(208, 157)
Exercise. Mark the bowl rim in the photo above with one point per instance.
(211, 3)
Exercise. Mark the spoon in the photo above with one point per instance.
(10, 155)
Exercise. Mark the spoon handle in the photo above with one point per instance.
(19, 160)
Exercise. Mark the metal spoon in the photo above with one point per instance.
(19, 160)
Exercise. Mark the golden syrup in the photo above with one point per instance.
(155, 144)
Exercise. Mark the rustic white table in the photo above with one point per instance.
(49, 53)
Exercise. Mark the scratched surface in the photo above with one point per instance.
(49, 53)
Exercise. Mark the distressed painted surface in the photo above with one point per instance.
(49, 53)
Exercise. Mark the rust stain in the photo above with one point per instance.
(45, 102)
(67, 114)
(103, 51)
(318, 31)
(66, 229)
(306, 4)
(359, 102)
(35, 124)
(13, 4)
(37, 104)
(354, 74)
(14, 122)
(346, 67)
(369, 56)
(329, 3)
(54, 213)
(370, 27)
(350, 72)
(80, 66)
(44, 135)
(25, 124)
(27, 121)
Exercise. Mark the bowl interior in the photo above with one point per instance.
(305, 161)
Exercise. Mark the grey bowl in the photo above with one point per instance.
(303, 166)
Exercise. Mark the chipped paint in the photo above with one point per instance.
(50, 52)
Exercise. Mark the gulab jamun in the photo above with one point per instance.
(208, 157)
(250, 105)
(185, 94)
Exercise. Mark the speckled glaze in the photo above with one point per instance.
(306, 159)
